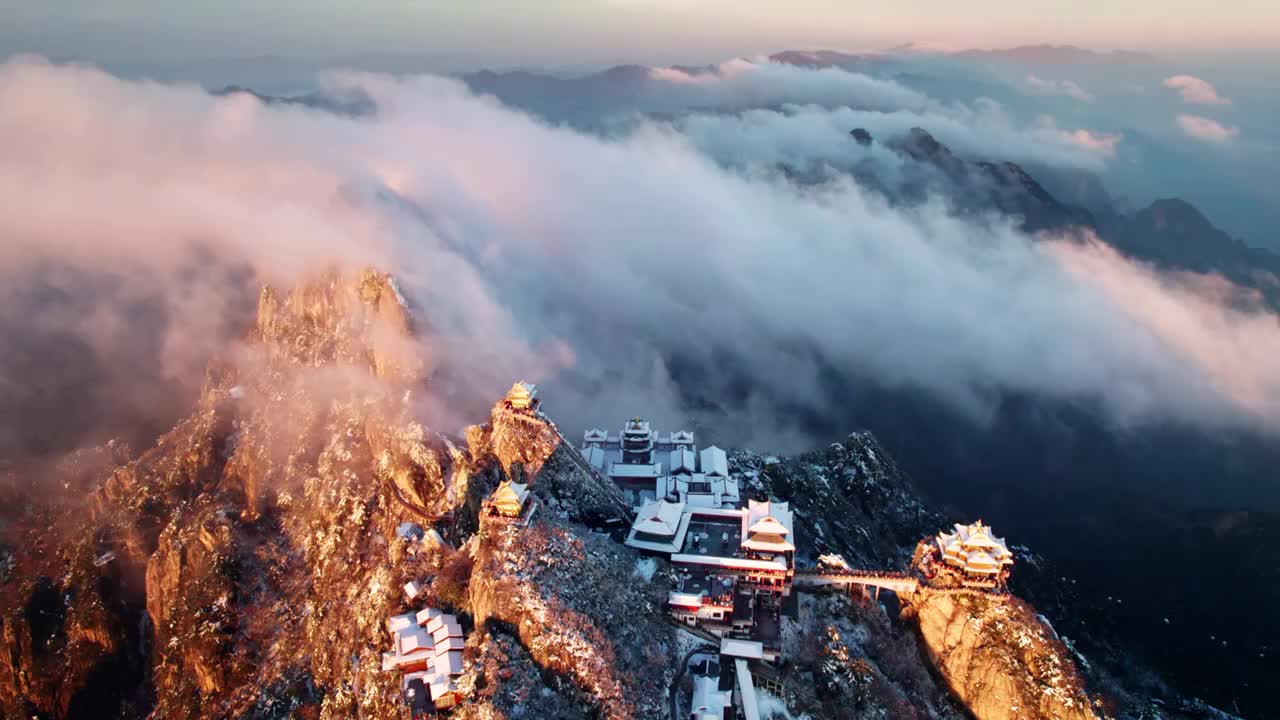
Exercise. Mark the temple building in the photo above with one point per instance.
(975, 551)
(659, 526)
(766, 528)
(523, 396)
(509, 499)
(634, 459)
(427, 648)
(700, 479)
(637, 442)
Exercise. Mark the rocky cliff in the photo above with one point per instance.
(245, 565)
(999, 658)
(571, 600)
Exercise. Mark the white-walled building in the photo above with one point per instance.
(638, 459)
(700, 479)
(714, 462)
(734, 564)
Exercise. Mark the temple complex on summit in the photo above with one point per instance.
(649, 466)
(733, 560)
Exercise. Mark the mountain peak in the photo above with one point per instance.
(358, 318)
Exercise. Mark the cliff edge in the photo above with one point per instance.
(999, 658)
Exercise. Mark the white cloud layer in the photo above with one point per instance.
(606, 268)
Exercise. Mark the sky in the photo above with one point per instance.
(568, 32)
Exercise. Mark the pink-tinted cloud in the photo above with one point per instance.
(1222, 329)
(1068, 88)
(1096, 142)
(1196, 91)
(1203, 128)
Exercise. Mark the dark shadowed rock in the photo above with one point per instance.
(862, 136)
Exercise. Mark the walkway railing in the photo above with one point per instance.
(896, 581)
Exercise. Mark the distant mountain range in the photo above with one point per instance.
(354, 104)
(1170, 233)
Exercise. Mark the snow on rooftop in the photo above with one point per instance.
(659, 518)
(511, 492)
(688, 600)
(730, 562)
(425, 615)
(682, 460)
(450, 663)
(413, 640)
(449, 629)
(412, 590)
(400, 622)
(709, 703)
(629, 470)
(769, 517)
(750, 704)
(714, 461)
(749, 649)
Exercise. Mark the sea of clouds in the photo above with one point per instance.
(640, 273)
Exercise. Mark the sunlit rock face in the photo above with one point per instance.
(252, 560)
(528, 447)
(999, 658)
(249, 547)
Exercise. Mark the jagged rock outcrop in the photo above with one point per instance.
(571, 599)
(999, 657)
(258, 527)
(505, 682)
(245, 565)
(189, 603)
(529, 448)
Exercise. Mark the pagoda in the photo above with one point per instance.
(523, 396)
(976, 553)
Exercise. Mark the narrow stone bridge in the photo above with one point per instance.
(901, 583)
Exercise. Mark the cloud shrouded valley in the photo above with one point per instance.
(630, 274)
